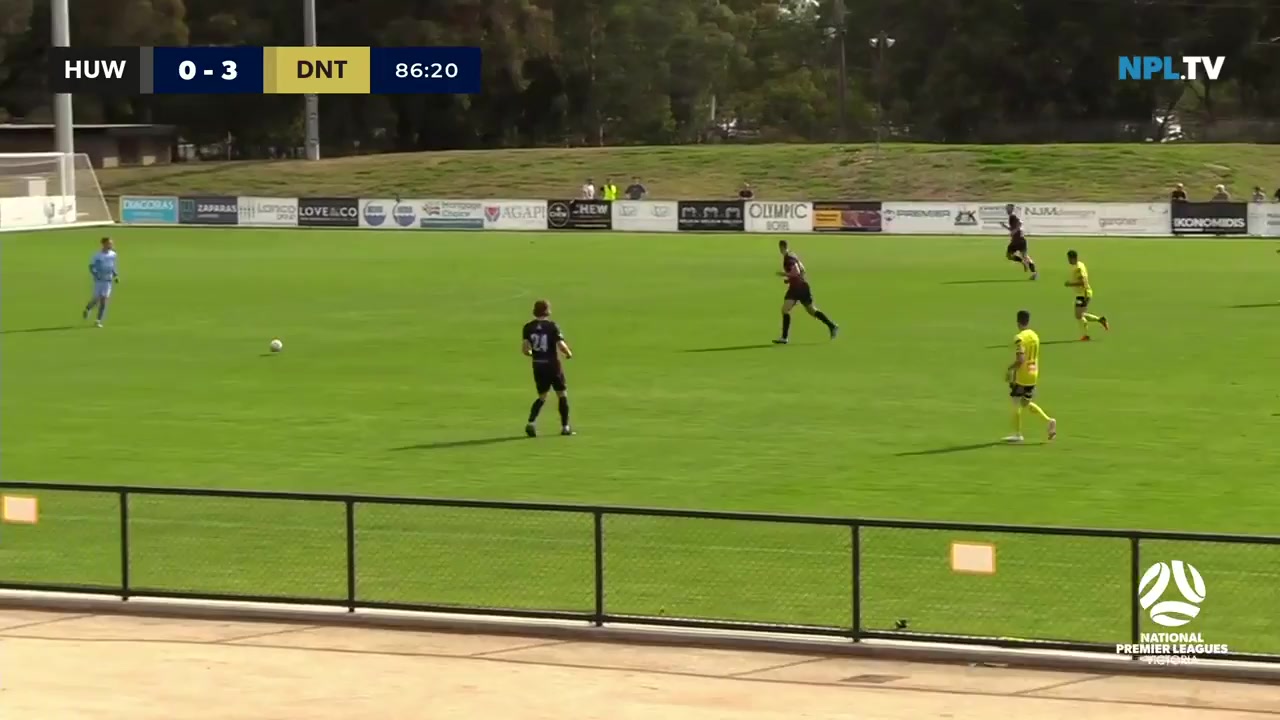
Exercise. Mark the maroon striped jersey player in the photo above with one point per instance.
(798, 291)
(1017, 249)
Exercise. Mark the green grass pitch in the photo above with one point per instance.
(402, 375)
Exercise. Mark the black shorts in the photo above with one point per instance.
(1082, 302)
(1017, 245)
(1022, 391)
(802, 294)
(548, 376)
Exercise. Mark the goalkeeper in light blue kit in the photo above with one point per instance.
(103, 269)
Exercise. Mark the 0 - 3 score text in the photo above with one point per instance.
(427, 70)
(187, 70)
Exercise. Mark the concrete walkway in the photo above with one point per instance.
(56, 666)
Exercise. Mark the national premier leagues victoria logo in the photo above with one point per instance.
(1171, 595)
(1154, 585)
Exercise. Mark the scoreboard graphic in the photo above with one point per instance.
(240, 70)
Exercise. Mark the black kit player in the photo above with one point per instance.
(544, 344)
(1017, 250)
(798, 291)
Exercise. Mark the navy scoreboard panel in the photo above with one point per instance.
(242, 70)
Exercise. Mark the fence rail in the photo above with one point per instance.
(1059, 588)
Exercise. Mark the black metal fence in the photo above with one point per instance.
(1053, 587)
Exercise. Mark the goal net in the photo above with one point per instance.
(40, 191)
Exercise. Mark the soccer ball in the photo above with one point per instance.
(276, 346)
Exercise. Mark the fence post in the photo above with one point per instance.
(1135, 579)
(855, 545)
(124, 545)
(598, 521)
(351, 554)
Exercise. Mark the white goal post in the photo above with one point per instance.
(44, 191)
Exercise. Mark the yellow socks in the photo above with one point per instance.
(1037, 410)
(1017, 420)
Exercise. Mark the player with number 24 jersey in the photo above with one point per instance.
(544, 344)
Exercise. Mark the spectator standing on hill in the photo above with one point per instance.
(589, 190)
(1258, 195)
(1179, 194)
(636, 191)
(1220, 194)
(609, 191)
(746, 194)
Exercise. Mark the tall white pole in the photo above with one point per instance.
(63, 123)
(311, 102)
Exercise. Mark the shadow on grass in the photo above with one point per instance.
(733, 348)
(462, 443)
(55, 328)
(1255, 305)
(1042, 342)
(962, 448)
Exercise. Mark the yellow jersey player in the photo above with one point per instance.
(1023, 375)
(1079, 283)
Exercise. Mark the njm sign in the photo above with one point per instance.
(1052, 588)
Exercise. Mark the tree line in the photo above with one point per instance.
(618, 72)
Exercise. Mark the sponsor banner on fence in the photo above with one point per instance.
(1264, 219)
(1210, 218)
(388, 214)
(579, 215)
(268, 211)
(715, 215)
(646, 216)
(847, 216)
(149, 210)
(1133, 219)
(329, 212)
(208, 210)
(779, 217)
(937, 218)
(1057, 218)
(448, 214)
(515, 215)
(926, 218)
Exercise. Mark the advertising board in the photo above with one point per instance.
(388, 214)
(848, 216)
(446, 214)
(269, 212)
(779, 217)
(936, 218)
(148, 210)
(579, 215)
(515, 214)
(710, 216)
(646, 216)
(208, 210)
(1264, 219)
(329, 212)
(1210, 218)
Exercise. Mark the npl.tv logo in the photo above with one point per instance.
(1155, 67)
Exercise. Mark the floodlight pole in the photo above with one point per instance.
(842, 93)
(879, 43)
(311, 102)
(64, 134)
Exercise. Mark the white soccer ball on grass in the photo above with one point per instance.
(276, 345)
